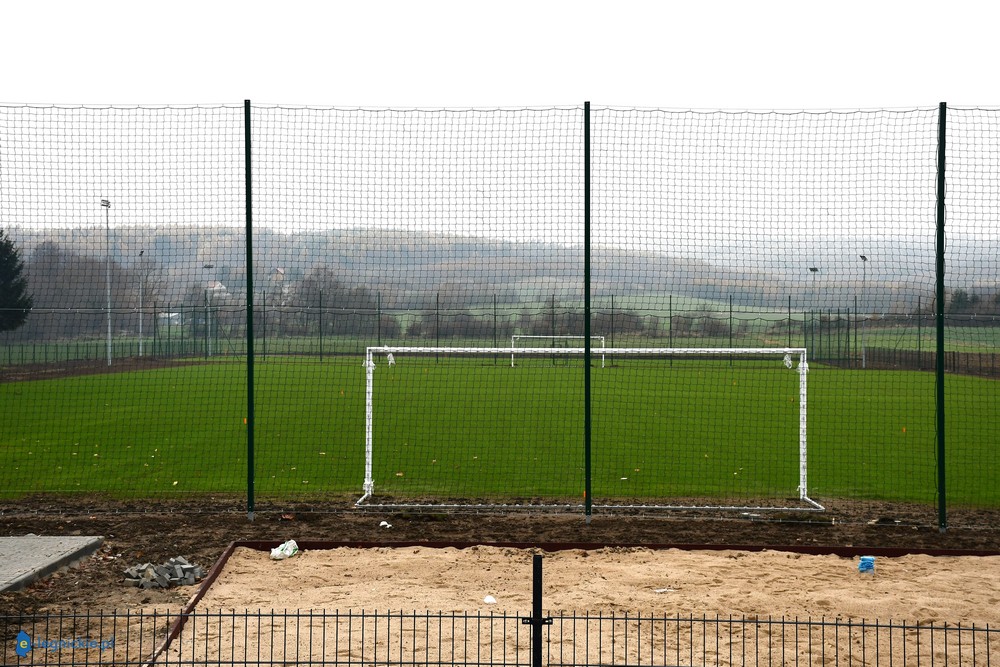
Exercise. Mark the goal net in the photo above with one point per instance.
(714, 428)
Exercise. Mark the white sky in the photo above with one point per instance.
(843, 54)
(690, 54)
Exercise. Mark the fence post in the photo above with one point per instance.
(856, 318)
(939, 314)
(250, 359)
(207, 328)
(730, 327)
(588, 506)
(920, 334)
(839, 354)
(670, 323)
(611, 332)
(536, 620)
(789, 320)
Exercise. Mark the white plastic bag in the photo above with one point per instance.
(286, 550)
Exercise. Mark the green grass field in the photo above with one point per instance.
(478, 429)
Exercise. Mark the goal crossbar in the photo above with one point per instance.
(637, 351)
(801, 368)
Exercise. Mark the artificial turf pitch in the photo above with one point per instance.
(475, 428)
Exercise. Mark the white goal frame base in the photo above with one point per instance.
(802, 368)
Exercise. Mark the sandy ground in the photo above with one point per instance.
(919, 589)
(425, 605)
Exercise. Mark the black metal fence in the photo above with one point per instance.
(376, 638)
(832, 337)
(962, 363)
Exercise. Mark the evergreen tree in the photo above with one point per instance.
(15, 302)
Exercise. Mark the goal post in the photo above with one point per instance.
(449, 441)
(518, 337)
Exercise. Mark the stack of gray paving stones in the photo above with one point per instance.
(175, 572)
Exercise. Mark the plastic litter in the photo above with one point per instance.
(866, 565)
(286, 550)
(489, 599)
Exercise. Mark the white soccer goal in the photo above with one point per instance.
(518, 337)
(773, 361)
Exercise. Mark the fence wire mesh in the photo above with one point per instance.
(462, 228)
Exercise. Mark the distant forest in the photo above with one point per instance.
(375, 273)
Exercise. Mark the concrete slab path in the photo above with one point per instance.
(26, 559)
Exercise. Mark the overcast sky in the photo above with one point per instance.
(706, 55)
(732, 55)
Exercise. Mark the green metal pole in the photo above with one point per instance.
(942, 508)
(552, 326)
(856, 318)
(670, 320)
(670, 326)
(730, 327)
(920, 335)
(208, 329)
(839, 353)
(789, 320)
(846, 352)
(588, 499)
(250, 353)
(170, 330)
(612, 332)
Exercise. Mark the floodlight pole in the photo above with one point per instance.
(106, 203)
(864, 322)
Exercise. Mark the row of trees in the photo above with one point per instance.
(56, 282)
(60, 293)
(963, 302)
